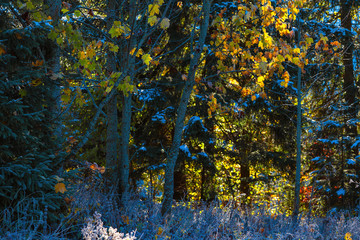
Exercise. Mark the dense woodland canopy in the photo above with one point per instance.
(254, 102)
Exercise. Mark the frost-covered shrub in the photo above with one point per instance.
(95, 230)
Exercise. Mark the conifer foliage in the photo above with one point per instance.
(28, 154)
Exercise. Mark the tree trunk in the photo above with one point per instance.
(181, 113)
(124, 164)
(349, 86)
(298, 138)
(54, 7)
(129, 65)
(245, 175)
(112, 117)
(348, 77)
(112, 139)
(180, 189)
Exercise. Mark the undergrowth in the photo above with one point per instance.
(93, 214)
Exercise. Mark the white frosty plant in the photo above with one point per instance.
(95, 230)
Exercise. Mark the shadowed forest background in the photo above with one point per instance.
(179, 119)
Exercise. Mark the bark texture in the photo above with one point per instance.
(348, 77)
(129, 64)
(124, 151)
(298, 139)
(112, 117)
(245, 175)
(54, 7)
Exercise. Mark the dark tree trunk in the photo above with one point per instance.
(348, 77)
(54, 7)
(180, 189)
(124, 168)
(112, 117)
(245, 175)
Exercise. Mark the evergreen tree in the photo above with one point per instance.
(29, 152)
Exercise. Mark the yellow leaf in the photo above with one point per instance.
(138, 53)
(260, 81)
(280, 58)
(154, 9)
(108, 89)
(286, 76)
(82, 55)
(297, 50)
(160, 2)
(152, 20)
(37, 63)
(284, 84)
(253, 98)
(309, 40)
(296, 60)
(90, 53)
(132, 51)
(233, 81)
(165, 23)
(160, 231)
(348, 236)
(60, 187)
(335, 44)
(261, 45)
(245, 92)
(146, 59)
(113, 47)
(36, 82)
(2, 51)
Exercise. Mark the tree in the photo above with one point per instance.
(29, 155)
(130, 25)
(197, 49)
(332, 160)
(53, 11)
(112, 137)
(298, 134)
(349, 86)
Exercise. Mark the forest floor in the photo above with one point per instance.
(95, 215)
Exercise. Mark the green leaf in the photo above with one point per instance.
(30, 6)
(22, 92)
(59, 40)
(146, 59)
(52, 35)
(113, 48)
(77, 13)
(152, 20)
